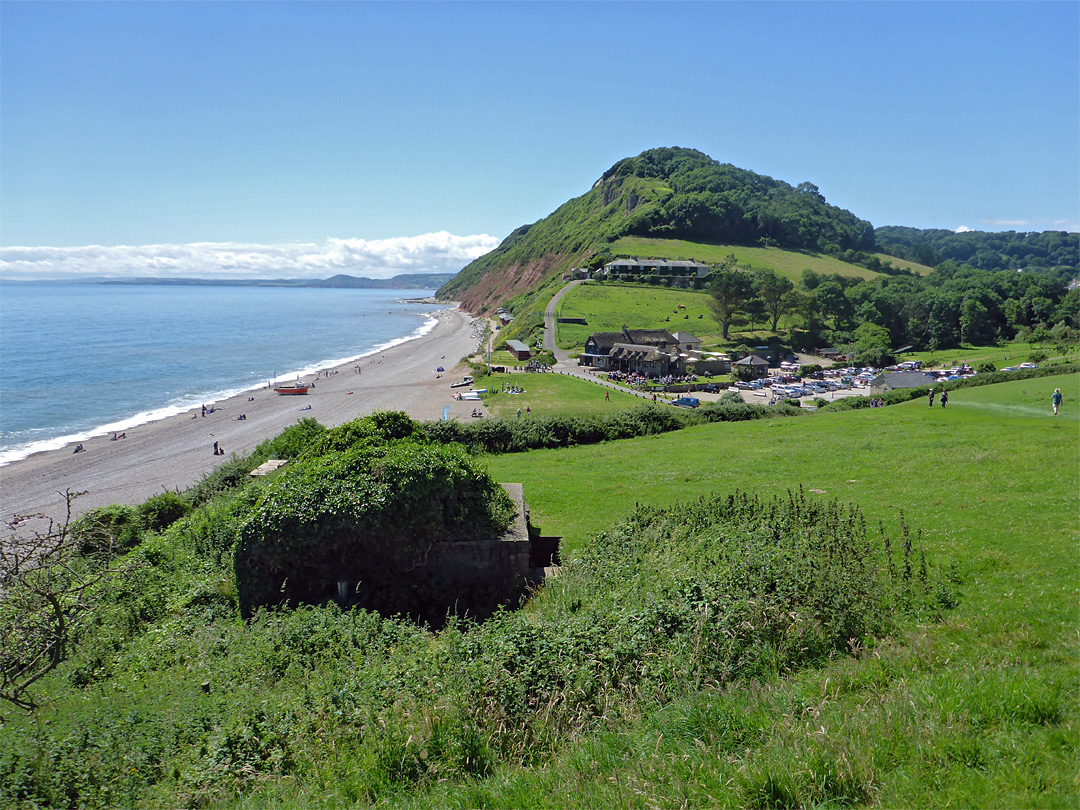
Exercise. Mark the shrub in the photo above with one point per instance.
(291, 442)
(986, 368)
(110, 529)
(365, 514)
(376, 428)
(1037, 357)
(161, 511)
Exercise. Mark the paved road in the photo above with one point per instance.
(562, 358)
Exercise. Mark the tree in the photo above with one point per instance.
(774, 291)
(973, 321)
(729, 291)
(755, 311)
(872, 345)
(45, 589)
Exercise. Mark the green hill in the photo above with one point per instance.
(668, 193)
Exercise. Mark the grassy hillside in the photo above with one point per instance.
(607, 307)
(609, 689)
(669, 193)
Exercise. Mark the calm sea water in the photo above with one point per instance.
(83, 359)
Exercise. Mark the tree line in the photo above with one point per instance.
(954, 305)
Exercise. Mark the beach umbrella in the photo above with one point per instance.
(440, 368)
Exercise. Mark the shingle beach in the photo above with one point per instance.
(174, 453)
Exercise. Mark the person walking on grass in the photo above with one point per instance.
(931, 397)
(944, 398)
(1055, 399)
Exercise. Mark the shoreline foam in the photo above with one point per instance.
(18, 452)
(174, 452)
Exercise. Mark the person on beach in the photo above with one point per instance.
(1055, 399)
(215, 448)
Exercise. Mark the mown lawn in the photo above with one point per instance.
(550, 394)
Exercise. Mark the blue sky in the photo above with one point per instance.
(400, 129)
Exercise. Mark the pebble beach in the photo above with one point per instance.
(174, 453)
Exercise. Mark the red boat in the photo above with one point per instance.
(292, 388)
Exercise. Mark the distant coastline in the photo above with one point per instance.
(407, 281)
(404, 281)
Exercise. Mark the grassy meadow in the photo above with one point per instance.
(612, 686)
(982, 710)
(607, 307)
(548, 394)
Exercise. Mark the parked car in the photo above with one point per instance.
(713, 388)
(686, 402)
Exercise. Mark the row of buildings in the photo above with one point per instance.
(676, 273)
(656, 353)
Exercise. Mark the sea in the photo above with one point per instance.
(84, 359)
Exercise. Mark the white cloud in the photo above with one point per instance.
(440, 252)
(963, 229)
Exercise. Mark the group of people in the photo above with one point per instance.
(877, 403)
(512, 389)
(944, 398)
(479, 414)
(532, 365)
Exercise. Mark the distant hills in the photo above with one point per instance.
(674, 193)
(407, 281)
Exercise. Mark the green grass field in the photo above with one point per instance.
(551, 394)
(789, 263)
(607, 307)
(981, 711)
(174, 701)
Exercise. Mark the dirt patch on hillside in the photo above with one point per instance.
(499, 285)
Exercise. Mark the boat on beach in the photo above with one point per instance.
(292, 388)
(463, 383)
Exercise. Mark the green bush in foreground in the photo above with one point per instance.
(366, 513)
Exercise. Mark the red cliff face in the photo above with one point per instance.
(500, 285)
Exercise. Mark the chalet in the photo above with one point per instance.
(687, 342)
(899, 379)
(654, 267)
(519, 350)
(757, 365)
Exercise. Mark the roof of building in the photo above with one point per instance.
(679, 263)
(517, 346)
(649, 337)
(686, 337)
(751, 360)
(630, 351)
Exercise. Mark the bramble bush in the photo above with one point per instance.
(519, 435)
(370, 506)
